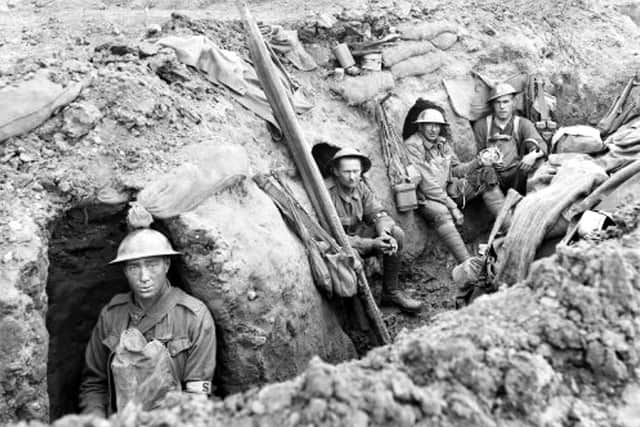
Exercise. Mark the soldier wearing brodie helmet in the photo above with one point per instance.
(516, 137)
(445, 183)
(358, 207)
(158, 311)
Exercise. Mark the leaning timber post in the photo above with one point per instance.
(311, 177)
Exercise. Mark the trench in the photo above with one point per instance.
(80, 282)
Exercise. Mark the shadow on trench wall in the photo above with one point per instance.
(80, 283)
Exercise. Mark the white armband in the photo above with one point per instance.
(200, 387)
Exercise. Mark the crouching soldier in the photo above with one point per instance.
(516, 137)
(445, 182)
(358, 207)
(178, 327)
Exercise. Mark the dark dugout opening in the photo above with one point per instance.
(80, 283)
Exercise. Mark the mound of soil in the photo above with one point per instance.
(144, 114)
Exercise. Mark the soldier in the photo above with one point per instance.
(159, 312)
(445, 182)
(357, 206)
(516, 137)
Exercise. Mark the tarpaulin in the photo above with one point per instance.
(224, 67)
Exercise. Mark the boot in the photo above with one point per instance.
(391, 292)
(493, 200)
(453, 241)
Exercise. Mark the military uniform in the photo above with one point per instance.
(445, 182)
(523, 139)
(180, 322)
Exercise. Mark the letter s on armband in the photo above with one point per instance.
(200, 387)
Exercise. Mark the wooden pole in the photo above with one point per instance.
(311, 177)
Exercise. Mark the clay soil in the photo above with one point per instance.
(151, 127)
(149, 122)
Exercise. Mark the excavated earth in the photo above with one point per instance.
(556, 350)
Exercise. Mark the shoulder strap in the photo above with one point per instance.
(516, 128)
(489, 123)
(166, 305)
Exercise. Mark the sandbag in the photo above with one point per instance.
(356, 90)
(393, 54)
(27, 105)
(444, 41)
(425, 30)
(418, 65)
(577, 139)
(191, 184)
(142, 372)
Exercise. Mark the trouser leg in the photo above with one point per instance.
(451, 238)
(438, 216)
(493, 199)
(392, 291)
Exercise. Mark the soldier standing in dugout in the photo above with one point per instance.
(159, 311)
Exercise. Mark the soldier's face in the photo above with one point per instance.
(503, 107)
(431, 131)
(348, 172)
(147, 276)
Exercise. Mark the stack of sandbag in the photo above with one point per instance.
(625, 141)
(419, 51)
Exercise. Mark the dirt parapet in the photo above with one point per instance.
(252, 272)
(558, 349)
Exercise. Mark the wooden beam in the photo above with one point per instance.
(311, 177)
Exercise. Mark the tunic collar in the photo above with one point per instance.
(438, 144)
(145, 319)
(347, 195)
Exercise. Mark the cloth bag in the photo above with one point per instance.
(142, 371)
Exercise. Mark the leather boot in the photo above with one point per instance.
(493, 200)
(391, 292)
(453, 241)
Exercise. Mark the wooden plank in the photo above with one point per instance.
(311, 177)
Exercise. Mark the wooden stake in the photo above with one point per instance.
(311, 177)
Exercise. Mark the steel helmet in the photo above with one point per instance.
(143, 243)
(501, 89)
(346, 153)
(431, 115)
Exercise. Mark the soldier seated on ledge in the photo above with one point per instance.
(357, 206)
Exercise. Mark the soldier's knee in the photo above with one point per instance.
(436, 214)
(398, 234)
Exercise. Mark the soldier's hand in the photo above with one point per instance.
(394, 244)
(528, 161)
(458, 217)
(383, 243)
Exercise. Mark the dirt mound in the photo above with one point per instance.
(554, 350)
(144, 114)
